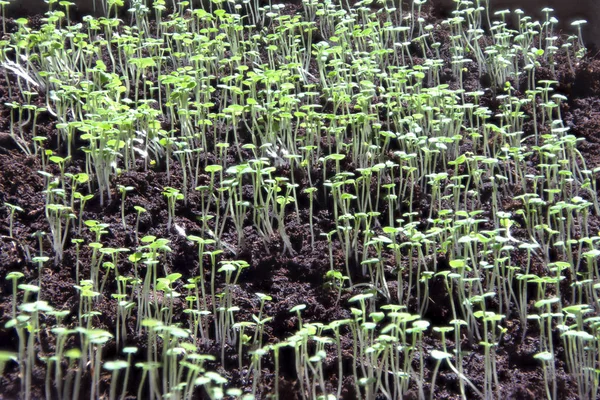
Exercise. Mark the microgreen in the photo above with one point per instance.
(13, 209)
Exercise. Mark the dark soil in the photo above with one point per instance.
(289, 279)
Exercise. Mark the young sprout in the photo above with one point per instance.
(441, 356)
(114, 367)
(58, 217)
(336, 280)
(123, 190)
(13, 208)
(578, 24)
(172, 196)
(82, 200)
(139, 211)
(14, 277)
(311, 195)
(546, 358)
(296, 309)
(40, 262)
(130, 351)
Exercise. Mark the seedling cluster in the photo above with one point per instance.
(428, 163)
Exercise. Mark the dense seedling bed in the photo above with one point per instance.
(303, 200)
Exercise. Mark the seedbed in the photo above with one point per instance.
(298, 200)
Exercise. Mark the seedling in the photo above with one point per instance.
(13, 209)
(172, 195)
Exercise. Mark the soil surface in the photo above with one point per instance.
(289, 279)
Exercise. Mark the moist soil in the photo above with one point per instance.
(289, 279)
